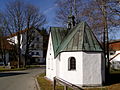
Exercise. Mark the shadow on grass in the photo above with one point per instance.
(6, 74)
(113, 79)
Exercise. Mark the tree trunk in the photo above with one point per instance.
(19, 51)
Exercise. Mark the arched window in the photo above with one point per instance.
(71, 63)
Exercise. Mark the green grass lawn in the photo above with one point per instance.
(47, 85)
(112, 71)
(35, 66)
(3, 69)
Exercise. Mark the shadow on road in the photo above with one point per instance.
(5, 74)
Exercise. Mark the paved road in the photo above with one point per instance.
(19, 80)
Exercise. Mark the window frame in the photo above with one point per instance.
(71, 63)
(37, 39)
(37, 53)
(32, 53)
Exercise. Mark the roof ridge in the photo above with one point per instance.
(19, 32)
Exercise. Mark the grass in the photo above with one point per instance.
(44, 84)
(113, 71)
(35, 66)
(47, 85)
(3, 69)
(97, 88)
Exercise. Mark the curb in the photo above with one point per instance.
(36, 82)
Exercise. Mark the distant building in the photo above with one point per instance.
(75, 56)
(35, 41)
(115, 54)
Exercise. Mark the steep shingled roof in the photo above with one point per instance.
(80, 38)
(114, 45)
(22, 31)
(19, 32)
(58, 35)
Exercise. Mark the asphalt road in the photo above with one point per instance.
(19, 80)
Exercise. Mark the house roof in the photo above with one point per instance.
(21, 32)
(80, 38)
(114, 41)
(114, 45)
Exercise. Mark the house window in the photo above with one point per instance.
(32, 53)
(37, 53)
(71, 63)
(37, 46)
(32, 45)
(112, 52)
(37, 38)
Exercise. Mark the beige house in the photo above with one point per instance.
(35, 41)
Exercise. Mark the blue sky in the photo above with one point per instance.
(46, 6)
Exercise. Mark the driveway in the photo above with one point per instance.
(19, 80)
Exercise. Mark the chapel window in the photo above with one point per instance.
(71, 63)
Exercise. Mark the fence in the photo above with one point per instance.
(66, 84)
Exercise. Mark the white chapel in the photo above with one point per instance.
(75, 55)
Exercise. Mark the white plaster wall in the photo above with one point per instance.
(115, 61)
(50, 61)
(73, 76)
(7, 57)
(92, 69)
(13, 40)
(117, 58)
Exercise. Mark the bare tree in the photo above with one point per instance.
(20, 16)
(15, 20)
(33, 19)
(33, 16)
(2, 48)
(2, 40)
(91, 12)
(65, 7)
